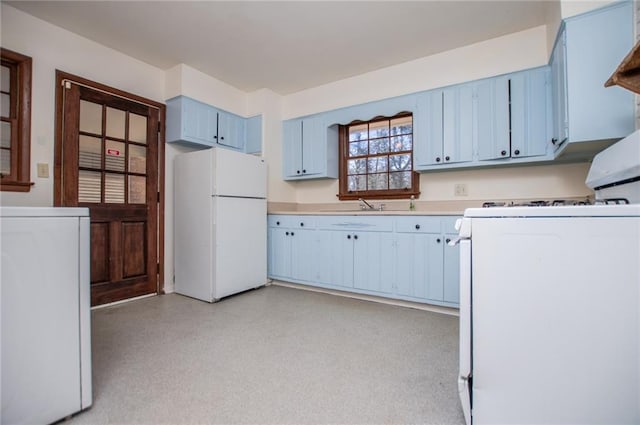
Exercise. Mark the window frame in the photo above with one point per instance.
(344, 194)
(19, 179)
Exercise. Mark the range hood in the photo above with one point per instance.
(615, 172)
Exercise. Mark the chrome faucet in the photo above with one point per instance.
(365, 205)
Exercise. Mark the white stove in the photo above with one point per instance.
(550, 304)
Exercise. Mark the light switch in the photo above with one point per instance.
(43, 170)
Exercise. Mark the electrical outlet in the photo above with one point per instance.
(460, 189)
(43, 170)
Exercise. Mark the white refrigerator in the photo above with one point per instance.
(220, 223)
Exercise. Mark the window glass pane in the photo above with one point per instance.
(137, 128)
(400, 162)
(115, 123)
(402, 143)
(89, 155)
(114, 156)
(357, 183)
(5, 161)
(400, 180)
(377, 181)
(358, 132)
(402, 125)
(89, 186)
(5, 105)
(5, 134)
(5, 78)
(357, 166)
(137, 159)
(378, 129)
(358, 148)
(377, 164)
(137, 190)
(378, 146)
(90, 117)
(114, 188)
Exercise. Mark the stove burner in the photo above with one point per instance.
(493, 204)
(612, 201)
(543, 203)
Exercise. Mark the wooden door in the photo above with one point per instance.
(109, 163)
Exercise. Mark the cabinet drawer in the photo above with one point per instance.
(291, 221)
(366, 224)
(418, 224)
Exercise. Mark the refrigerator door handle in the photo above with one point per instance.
(464, 379)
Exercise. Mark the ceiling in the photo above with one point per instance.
(291, 45)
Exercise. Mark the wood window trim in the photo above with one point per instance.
(345, 195)
(19, 180)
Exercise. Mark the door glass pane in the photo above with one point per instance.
(89, 152)
(90, 117)
(5, 78)
(89, 186)
(114, 188)
(137, 159)
(5, 105)
(115, 123)
(5, 161)
(137, 128)
(114, 156)
(137, 190)
(5, 134)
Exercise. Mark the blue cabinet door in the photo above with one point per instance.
(419, 266)
(493, 118)
(304, 255)
(427, 128)
(529, 124)
(335, 258)
(373, 268)
(231, 130)
(279, 262)
(457, 124)
(191, 121)
(560, 116)
(313, 146)
(292, 148)
(254, 135)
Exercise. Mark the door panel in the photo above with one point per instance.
(110, 165)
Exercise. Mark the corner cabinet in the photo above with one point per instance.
(588, 49)
(394, 257)
(195, 123)
(310, 149)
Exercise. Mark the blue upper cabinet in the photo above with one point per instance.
(198, 124)
(588, 50)
(310, 149)
(493, 138)
(443, 126)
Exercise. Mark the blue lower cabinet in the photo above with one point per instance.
(396, 257)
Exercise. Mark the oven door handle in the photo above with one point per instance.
(463, 226)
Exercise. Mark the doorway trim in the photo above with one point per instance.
(61, 78)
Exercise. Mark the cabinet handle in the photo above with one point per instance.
(448, 240)
(215, 137)
(304, 171)
(517, 152)
(503, 153)
(297, 171)
(554, 140)
(291, 233)
(438, 240)
(355, 236)
(446, 158)
(221, 137)
(277, 223)
(438, 159)
(348, 236)
(286, 233)
(301, 224)
(417, 227)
